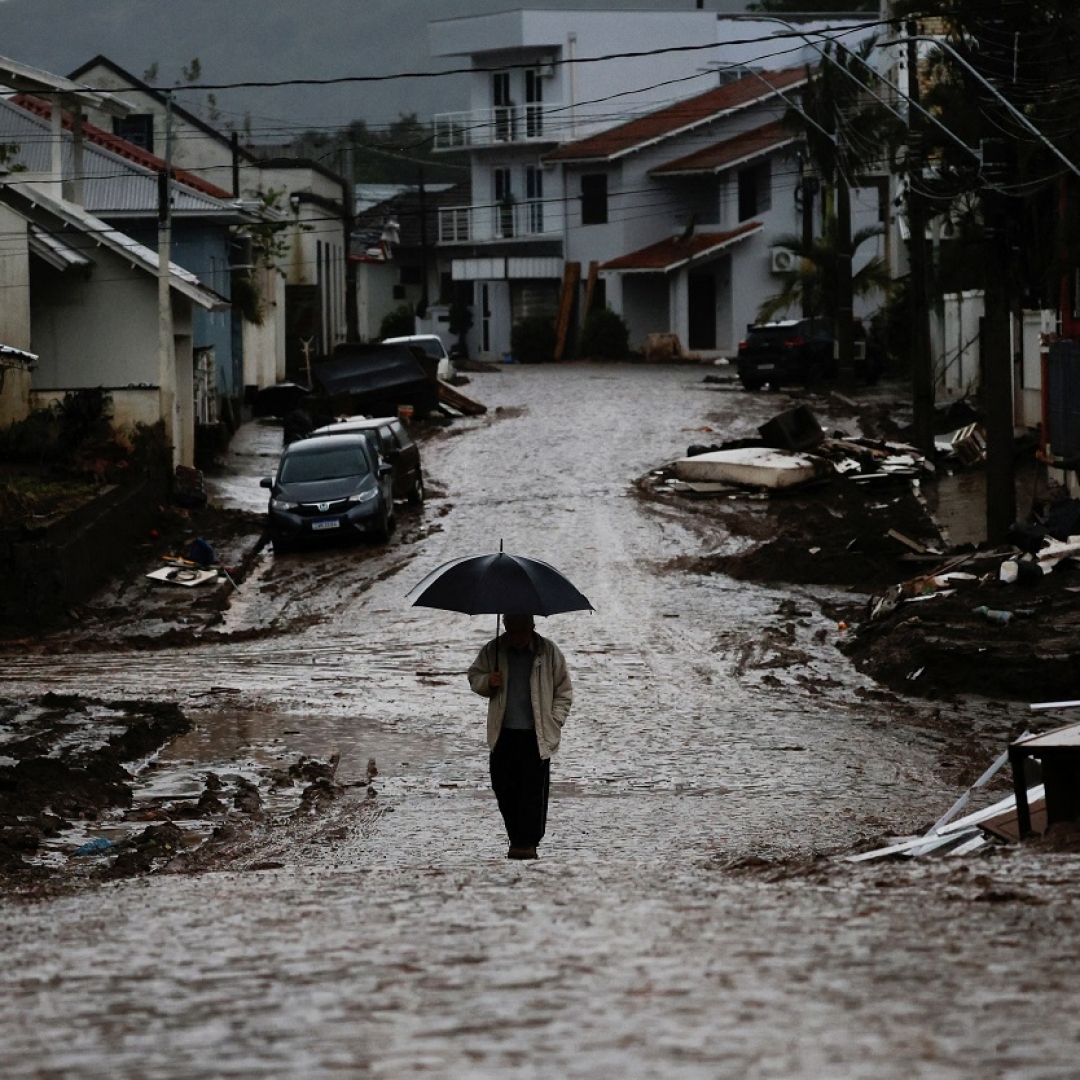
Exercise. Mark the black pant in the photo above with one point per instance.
(520, 778)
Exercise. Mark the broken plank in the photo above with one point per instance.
(462, 402)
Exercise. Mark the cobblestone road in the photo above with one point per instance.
(678, 923)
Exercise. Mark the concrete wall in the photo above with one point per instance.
(264, 344)
(64, 563)
(96, 331)
(191, 147)
(14, 281)
(130, 407)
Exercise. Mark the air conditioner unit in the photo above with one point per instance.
(783, 260)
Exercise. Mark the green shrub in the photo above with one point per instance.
(532, 339)
(398, 323)
(605, 336)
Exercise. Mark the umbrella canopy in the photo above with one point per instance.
(498, 584)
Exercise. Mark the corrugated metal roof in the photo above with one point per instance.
(112, 185)
(731, 152)
(54, 251)
(680, 117)
(675, 252)
(76, 218)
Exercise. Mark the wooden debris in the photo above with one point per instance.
(464, 404)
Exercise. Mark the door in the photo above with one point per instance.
(534, 104)
(504, 204)
(701, 316)
(534, 197)
(502, 106)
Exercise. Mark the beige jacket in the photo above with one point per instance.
(549, 681)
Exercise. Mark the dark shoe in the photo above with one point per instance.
(521, 852)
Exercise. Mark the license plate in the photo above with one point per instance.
(765, 367)
(325, 523)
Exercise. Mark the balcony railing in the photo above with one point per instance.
(532, 219)
(502, 125)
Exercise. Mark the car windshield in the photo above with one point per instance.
(329, 464)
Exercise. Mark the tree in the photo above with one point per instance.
(390, 156)
(849, 132)
(814, 285)
(1003, 83)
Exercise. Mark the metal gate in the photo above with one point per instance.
(1062, 400)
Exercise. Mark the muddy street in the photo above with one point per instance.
(690, 915)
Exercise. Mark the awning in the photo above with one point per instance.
(54, 251)
(676, 252)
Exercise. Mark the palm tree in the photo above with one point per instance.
(849, 132)
(814, 285)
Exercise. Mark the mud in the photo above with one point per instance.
(341, 904)
(833, 534)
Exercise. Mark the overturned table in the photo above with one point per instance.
(1059, 754)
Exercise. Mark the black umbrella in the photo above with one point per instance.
(498, 584)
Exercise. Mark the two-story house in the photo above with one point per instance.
(542, 79)
(118, 183)
(96, 308)
(301, 252)
(678, 210)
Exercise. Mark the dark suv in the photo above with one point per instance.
(800, 352)
(392, 440)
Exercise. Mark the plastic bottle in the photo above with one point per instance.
(1002, 618)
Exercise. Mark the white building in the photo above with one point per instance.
(543, 79)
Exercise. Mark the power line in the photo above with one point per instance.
(839, 31)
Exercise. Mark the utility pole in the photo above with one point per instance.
(845, 307)
(995, 351)
(352, 305)
(166, 345)
(422, 306)
(807, 189)
(922, 362)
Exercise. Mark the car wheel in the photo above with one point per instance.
(386, 524)
(416, 496)
(750, 383)
(282, 546)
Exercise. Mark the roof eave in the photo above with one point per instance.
(735, 163)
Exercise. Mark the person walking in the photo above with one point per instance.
(527, 685)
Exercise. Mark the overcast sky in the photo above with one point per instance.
(262, 40)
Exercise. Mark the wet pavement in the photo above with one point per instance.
(691, 914)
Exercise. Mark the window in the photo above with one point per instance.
(138, 128)
(755, 190)
(534, 194)
(503, 107)
(594, 199)
(504, 203)
(534, 104)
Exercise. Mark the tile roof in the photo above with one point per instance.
(673, 252)
(680, 117)
(121, 147)
(730, 152)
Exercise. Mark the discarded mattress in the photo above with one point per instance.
(761, 466)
